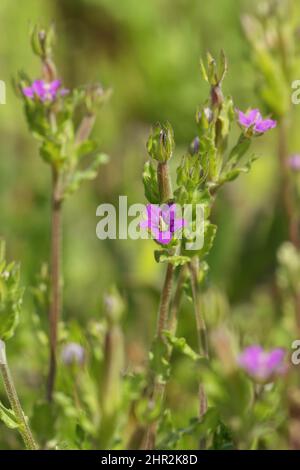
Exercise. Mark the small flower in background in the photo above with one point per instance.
(45, 91)
(262, 365)
(195, 146)
(73, 353)
(162, 222)
(253, 119)
(294, 162)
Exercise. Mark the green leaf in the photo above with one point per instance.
(79, 176)
(163, 256)
(159, 361)
(85, 148)
(181, 345)
(210, 231)
(238, 151)
(150, 183)
(199, 428)
(10, 295)
(8, 417)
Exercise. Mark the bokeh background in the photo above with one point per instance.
(148, 52)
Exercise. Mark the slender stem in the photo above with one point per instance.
(201, 333)
(176, 302)
(55, 305)
(158, 391)
(200, 322)
(289, 202)
(85, 128)
(14, 401)
(164, 182)
(286, 186)
(165, 301)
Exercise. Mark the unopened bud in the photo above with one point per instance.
(161, 144)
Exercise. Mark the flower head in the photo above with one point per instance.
(162, 222)
(294, 162)
(253, 119)
(73, 353)
(263, 365)
(44, 91)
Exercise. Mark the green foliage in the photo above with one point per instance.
(150, 183)
(8, 417)
(10, 295)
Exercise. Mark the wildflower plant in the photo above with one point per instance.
(10, 306)
(52, 112)
(272, 34)
(208, 164)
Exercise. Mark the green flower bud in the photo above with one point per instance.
(161, 143)
(42, 41)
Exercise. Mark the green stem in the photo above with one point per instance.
(158, 391)
(201, 333)
(14, 401)
(55, 305)
(176, 302)
(164, 182)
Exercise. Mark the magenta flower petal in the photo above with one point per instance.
(294, 162)
(179, 224)
(38, 88)
(64, 91)
(164, 237)
(28, 92)
(264, 125)
(45, 91)
(253, 119)
(54, 86)
(249, 118)
(263, 365)
(162, 222)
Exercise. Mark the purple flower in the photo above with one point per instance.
(253, 119)
(45, 91)
(263, 365)
(73, 353)
(294, 162)
(162, 222)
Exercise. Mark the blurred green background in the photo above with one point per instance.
(148, 52)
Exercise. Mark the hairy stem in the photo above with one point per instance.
(55, 304)
(13, 399)
(164, 182)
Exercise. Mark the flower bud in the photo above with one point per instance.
(195, 146)
(96, 96)
(161, 144)
(73, 353)
(42, 41)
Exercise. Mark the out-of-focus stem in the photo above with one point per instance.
(291, 210)
(201, 332)
(12, 396)
(159, 388)
(286, 185)
(55, 304)
(85, 128)
(176, 301)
